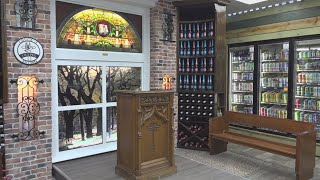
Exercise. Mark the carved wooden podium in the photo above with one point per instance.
(145, 134)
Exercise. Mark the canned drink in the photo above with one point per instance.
(315, 91)
(314, 118)
(298, 91)
(318, 104)
(302, 90)
(301, 116)
(310, 118)
(299, 78)
(310, 104)
(284, 98)
(297, 115)
(297, 103)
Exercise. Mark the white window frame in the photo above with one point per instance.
(104, 59)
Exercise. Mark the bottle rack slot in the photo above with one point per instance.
(193, 135)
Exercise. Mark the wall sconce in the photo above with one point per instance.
(27, 107)
(167, 27)
(167, 82)
(26, 12)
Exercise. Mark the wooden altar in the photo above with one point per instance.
(145, 134)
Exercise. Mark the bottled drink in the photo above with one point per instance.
(181, 31)
(181, 48)
(188, 49)
(194, 30)
(204, 65)
(196, 65)
(204, 48)
(187, 64)
(185, 31)
(203, 82)
(189, 32)
(198, 31)
(204, 30)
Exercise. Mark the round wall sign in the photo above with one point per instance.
(28, 50)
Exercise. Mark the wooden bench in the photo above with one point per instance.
(303, 151)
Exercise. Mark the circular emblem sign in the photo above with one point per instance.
(28, 51)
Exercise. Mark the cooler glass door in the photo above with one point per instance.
(273, 91)
(307, 93)
(241, 79)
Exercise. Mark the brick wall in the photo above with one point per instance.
(29, 159)
(163, 54)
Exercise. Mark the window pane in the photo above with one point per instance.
(80, 128)
(111, 124)
(122, 78)
(79, 85)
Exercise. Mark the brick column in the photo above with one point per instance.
(29, 159)
(163, 54)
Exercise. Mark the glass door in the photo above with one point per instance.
(241, 87)
(307, 95)
(274, 59)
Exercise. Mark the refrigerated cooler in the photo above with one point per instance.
(307, 74)
(279, 78)
(242, 69)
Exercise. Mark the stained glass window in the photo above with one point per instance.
(97, 29)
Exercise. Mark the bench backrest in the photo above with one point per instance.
(283, 125)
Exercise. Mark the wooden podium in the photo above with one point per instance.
(145, 134)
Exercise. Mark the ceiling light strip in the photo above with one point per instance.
(264, 7)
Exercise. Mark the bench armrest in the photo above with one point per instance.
(217, 125)
(306, 152)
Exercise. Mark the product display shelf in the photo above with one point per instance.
(199, 95)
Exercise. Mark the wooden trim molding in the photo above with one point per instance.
(301, 27)
(200, 2)
(4, 70)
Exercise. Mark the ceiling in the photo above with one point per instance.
(236, 6)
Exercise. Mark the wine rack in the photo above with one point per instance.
(197, 54)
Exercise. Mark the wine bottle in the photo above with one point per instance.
(198, 48)
(194, 30)
(189, 31)
(211, 29)
(187, 64)
(200, 83)
(180, 82)
(188, 48)
(209, 84)
(193, 48)
(185, 48)
(196, 65)
(209, 48)
(211, 65)
(203, 82)
(195, 82)
(192, 66)
(204, 65)
(185, 31)
(184, 82)
(205, 47)
(181, 30)
(181, 48)
(205, 30)
(198, 30)
(202, 49)
(187, 82)
(212, 47)
(180, 65)
(192, 83)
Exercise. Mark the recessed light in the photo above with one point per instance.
(251, 1)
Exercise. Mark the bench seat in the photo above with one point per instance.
(303, 151)
(270, 146)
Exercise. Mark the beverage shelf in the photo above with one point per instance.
(269, 87)
(307, 97)
(197, 56)
(245, 71)
(197, 91)
(306, 59)
(242, 91)
(196, 73)
(274, 103)
(197, 21)
(284, 72)
(306, 110)
(276, 60)
(309, 84)
(242, 80)
(308, 70)
(246, 104)
(197, 39)
(237, 62)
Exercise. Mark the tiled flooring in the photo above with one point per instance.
(239, 162)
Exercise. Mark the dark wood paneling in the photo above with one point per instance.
(282, 17)
(200, 3)
(4, 71)
(221, 52)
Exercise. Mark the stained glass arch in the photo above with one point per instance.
(97, 29)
